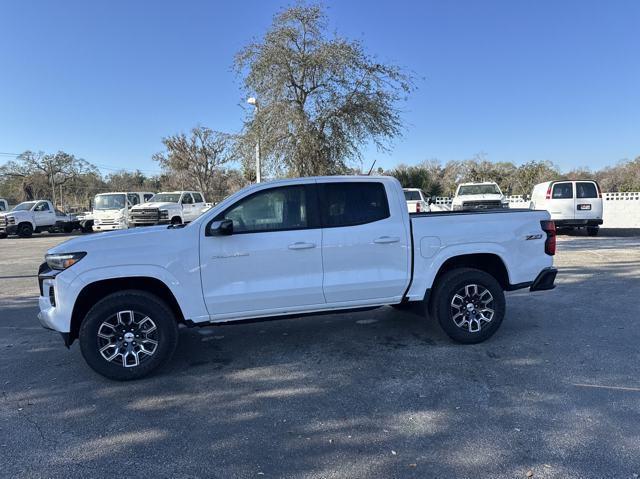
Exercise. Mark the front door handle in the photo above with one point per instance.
(302, 245)
(386, 240)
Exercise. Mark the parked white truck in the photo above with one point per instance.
(174, 207)
(35, 217)
(417, 200)
(285, 248)
(478, 196)
(111, 211)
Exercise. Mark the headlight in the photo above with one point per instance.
(164, 214)
(63, 261)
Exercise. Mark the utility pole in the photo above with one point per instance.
(253, 101)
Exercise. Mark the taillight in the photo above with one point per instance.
(418, 207)
(549, 227)
(549, 192)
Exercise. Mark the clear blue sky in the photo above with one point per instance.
(518, 80)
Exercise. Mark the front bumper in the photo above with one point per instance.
(56, 299)
(545, 280)
(111, 227)
(578, 223)
(8, 230)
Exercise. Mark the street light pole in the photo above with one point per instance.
(253, 101)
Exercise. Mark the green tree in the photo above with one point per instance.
(320, 98)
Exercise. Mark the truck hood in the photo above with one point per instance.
(156, 204)
(130, 238)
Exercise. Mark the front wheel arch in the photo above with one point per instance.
(94, 292)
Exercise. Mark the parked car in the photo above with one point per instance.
(111, 211)
(572, 204)
(478, 196)
(417, 200)
(289, 247)
(175, 207)
(35, 217)
(4, 205)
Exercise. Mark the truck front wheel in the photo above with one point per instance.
(25, 230)
(469, 305)
(128, 334)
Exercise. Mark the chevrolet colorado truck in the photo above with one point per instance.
(289, 248)
(175, 207)
(35, 217)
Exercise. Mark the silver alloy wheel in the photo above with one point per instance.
(471, 307)
(128, 338)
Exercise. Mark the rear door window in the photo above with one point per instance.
(198, 198)
(187, 199)
(562, 191)
(352, 203)
(586, 189)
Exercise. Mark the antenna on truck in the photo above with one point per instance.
(371, 169)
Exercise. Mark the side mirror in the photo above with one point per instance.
(430, 201)
(220, 228)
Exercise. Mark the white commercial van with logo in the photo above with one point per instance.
(572, 204)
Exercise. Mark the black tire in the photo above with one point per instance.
(25, 230)
(109, 310)
(593, 230)
(67, 228)
(176, 220)
(3, 235)
(472, 330)
(87, 228)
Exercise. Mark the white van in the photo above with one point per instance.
(572, 204)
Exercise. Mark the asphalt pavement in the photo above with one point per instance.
(555, 393)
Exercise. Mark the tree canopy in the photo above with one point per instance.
(320, 98)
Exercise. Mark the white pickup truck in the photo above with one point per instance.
(284, 248)
(111, 211)
(478, 196)
(35, 217)
(175, 207)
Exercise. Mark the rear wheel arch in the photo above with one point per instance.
(94, 292)
(488, 262)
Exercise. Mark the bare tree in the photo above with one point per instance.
(198, 160)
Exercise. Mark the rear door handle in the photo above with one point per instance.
(302, 245)
(386, 240)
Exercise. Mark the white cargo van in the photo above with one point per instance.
(572, 204)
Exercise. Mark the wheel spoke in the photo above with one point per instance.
(128, 335)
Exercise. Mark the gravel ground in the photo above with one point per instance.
(555, 393)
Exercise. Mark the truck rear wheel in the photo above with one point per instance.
(593, 230)
(25, 230)
(469, 305)
(128, 334)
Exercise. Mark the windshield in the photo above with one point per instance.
(166, 198)
(412, 196)
(110, 202)
(479, 190)
(26, 206)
